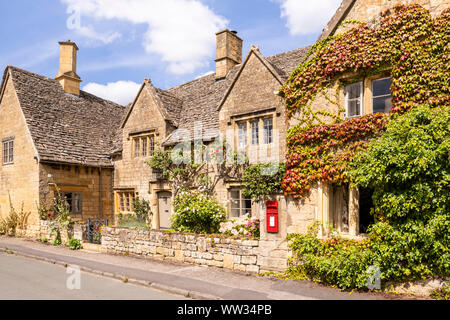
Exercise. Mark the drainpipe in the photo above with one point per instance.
(100, 202)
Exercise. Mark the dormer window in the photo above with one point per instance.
(381, 95)
(144, 146)
(354, 99)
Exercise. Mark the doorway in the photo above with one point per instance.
(366, 218)
(164, 209)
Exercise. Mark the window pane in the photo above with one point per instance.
(68, 199)
(353, 91)
(255, 132)
(136, 147)
(5, 152)
(268, 131)
(144, 146)
(382, 104)
(381, 87)
(152, 145)
(235, 213)
(354, 108)
(122, 204)
(242, 134)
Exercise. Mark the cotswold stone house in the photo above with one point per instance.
(96, 151)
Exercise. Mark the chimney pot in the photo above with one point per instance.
(228, 53)
(67, 75)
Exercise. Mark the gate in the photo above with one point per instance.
(94, 232)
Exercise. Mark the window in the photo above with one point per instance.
(125, 201)
(137, 147)
(354, 99)
(239, 205)
(144, 146)
(268, 131)
(8, 151)
(381, 95)
(242, 135)
(73, 199)
(255, 132)
(152, 145)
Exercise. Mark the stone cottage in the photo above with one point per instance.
(52, 135)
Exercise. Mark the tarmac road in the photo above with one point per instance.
(27, 279)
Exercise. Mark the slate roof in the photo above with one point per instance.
(66, 128)
(201, 97)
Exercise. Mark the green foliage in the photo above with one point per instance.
(441, 293)
(262, 180)
(43, 240)
(142, 210)
(409, 169)
(131, 221)
(57, 241)
(245, 226)
(75, 244)
(407, 43)
(197, 212)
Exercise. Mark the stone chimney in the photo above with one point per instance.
(229, 52)
(67, 75)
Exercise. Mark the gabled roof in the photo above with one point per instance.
(66, 128)
(337, 18)
(202, 97)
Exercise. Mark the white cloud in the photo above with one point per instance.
(307, 17)
(181, 32)
(90, 33)
(121, 92)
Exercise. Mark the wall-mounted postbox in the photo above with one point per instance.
(272, 216)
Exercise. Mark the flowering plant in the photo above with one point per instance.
(242, 226)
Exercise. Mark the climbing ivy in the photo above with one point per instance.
(406, 41)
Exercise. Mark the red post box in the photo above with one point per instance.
(272, 216)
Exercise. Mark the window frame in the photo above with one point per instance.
(71, 205)
(241, 200)
(254, 128)
(361, 99)
(242, 143)
(125, 200)
(268, 139)
(143, 146)
(8, 151)
(382, 96)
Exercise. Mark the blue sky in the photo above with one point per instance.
(171, 42)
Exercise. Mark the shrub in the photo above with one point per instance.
(409, 169)
(197, 212)
(442, 293)
(131, 221)
(15, 220)
(262, 180)
(75, 244)
(243, 226)
(142, 210)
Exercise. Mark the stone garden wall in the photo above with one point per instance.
(209, 250)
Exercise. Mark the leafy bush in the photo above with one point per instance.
(441, 293)
(142, 210)
(262, 180)
(75, 244)
(243, 226)
(197, 212)
(409, 169)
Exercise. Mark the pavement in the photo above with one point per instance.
(23, 278)
(190, 281)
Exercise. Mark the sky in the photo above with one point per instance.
(123, 42)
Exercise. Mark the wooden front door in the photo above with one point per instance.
(165, 209)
